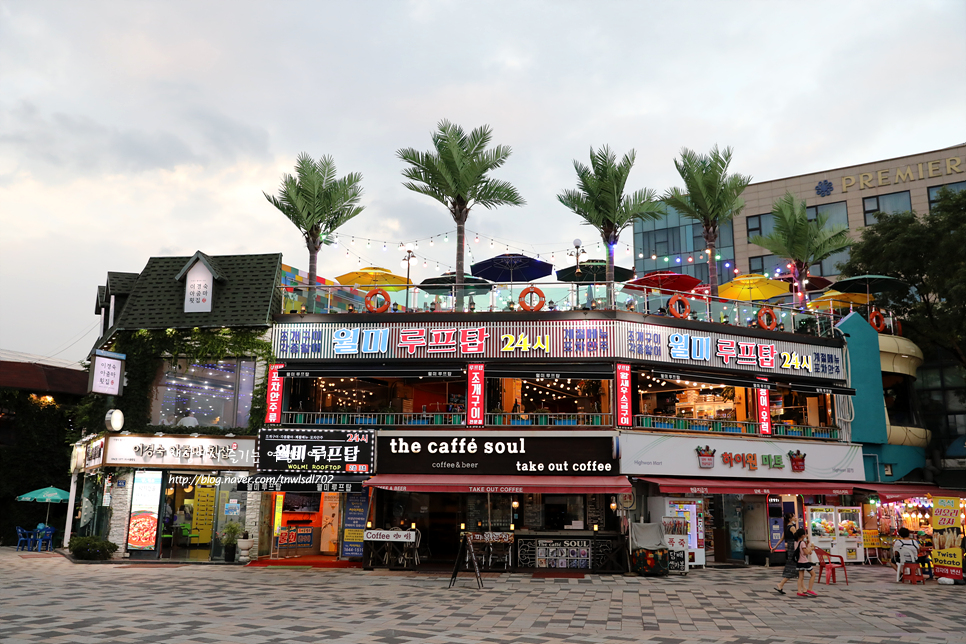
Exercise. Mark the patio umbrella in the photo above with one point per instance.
(443, 284)
(837, 300)
(664, 281)
(373, 276)
(511, 267)
(752, 287)
(869, 284)
(812, 282)
(593, 270)
(46, 495)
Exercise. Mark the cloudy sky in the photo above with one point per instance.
(129, 130)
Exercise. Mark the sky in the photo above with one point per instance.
(132, 130)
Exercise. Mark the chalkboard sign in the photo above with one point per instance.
(466, 550)
(678, 561)
(595, 511)
(476, 512)
(533, 511)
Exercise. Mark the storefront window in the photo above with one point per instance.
(564, 511)
(217, 393)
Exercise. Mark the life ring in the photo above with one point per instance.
(672, 306)
(371, 295)
(525, 304)
(767, 312)
(877, 320)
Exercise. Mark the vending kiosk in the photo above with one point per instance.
(848, 542)
(821, 526)
(692, 510)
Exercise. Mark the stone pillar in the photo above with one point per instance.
(252, 518)
(120, 512)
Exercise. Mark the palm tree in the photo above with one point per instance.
(318, 204)
(804, 243)
(455, 174)
(711, 196)
(600, 201)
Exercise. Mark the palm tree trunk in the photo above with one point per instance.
(711, 239)
(460, 240)
(609, 276)
(801, 271)
(313, 244)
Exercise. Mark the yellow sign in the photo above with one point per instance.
(279, 500)
(353, 534)
(948, 563)
(945, 512)
(870, 539)
(897, 176)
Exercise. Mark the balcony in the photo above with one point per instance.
(443, 419)
(699, 425)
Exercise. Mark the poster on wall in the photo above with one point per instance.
(354, 526)
(145, 497)
(947, 556)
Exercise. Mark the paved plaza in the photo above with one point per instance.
(49, 599)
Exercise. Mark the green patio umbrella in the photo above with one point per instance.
(593, 270)
(869, 284)
(46, 495)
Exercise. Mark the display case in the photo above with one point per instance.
(848, 543)
(821, 522)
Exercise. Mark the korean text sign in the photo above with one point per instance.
(948, 556)
(474, 395)
(624, 417)
(145, 497)
(329, 451)
(273, 407)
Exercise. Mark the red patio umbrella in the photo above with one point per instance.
(813, 282)
(665, 281)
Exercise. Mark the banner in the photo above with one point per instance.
(764, 411)
(356, 512)
(624, 416)
(145, 498)
(474, 395)
(320, 451)
(947, 556)
(273, 408)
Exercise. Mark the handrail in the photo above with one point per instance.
(676, 423)
(376, 419)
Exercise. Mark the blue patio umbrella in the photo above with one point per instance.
(46, 495)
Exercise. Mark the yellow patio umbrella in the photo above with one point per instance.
(373, 276)
(836, 300)
(752, 287)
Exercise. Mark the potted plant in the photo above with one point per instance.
(245, 544)
(542, 415)
(498, 417)
(229, 539)
(390, 414)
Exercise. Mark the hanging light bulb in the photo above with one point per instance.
(383, 246)
(437, 266)
(402, 246)
(431, 242)
(416, 246)
(368, 245)
(353, 241)
(640, 256)
(424, 263)
(477, 239)
(446, 238)
(491, 243)
(690, 259)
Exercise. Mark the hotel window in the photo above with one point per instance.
(760, 225)
(838, 214)
(935, 190)
(887, 204)
(215, 393)
(765, 264)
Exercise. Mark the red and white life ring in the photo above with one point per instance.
(525, 302)
(764, 313)
(672, 306)
(877, 320)
(370, 300)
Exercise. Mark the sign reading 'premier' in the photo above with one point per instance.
(533, 453)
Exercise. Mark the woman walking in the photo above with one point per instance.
(791, 566)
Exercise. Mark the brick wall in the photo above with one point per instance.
(120, 512)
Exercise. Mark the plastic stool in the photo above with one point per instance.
(912, 574)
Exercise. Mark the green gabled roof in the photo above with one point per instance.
(120, 283)
(246, 295)
(210, 264)
(101, 296)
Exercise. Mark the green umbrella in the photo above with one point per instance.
(868, 284)
(593, 270)
(46, 495)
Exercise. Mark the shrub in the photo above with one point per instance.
(95, 548)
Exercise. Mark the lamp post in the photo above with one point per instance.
(408, 260)
(576, 253)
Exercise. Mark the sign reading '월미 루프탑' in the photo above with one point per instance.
(329, 451)
(552, 339)
(534, 453)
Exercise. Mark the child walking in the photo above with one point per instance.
(802, 551)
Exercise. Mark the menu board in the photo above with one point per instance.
(533, 511)
(356, 511)
(142, 530)
(595, 510)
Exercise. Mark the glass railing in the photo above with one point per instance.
(561, 296)
(674, 423)
(382, 419)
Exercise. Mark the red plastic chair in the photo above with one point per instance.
(912, 573)
(825, 564)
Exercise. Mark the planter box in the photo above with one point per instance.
(731, 429)
(325, 421)
(663, 424)
(519, 421)
(701, 428)
(364, 420)
(565, 421)
(419, 421)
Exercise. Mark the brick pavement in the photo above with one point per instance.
(52, 600)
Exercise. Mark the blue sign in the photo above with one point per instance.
(776, 533)
(356, 512)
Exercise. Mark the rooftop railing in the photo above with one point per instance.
(566, 296)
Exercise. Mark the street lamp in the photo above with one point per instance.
(408, 261)
(577, 252)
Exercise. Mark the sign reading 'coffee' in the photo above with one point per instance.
(534, 454)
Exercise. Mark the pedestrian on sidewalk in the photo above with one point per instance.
(790, 571)
(803, 550)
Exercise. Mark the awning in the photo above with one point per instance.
(901, 491)
(810, 388)
(501, 484)
(746, 486)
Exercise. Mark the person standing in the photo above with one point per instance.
(790, 571)
(803, 550)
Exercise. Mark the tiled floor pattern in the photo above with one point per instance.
(53, 600)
